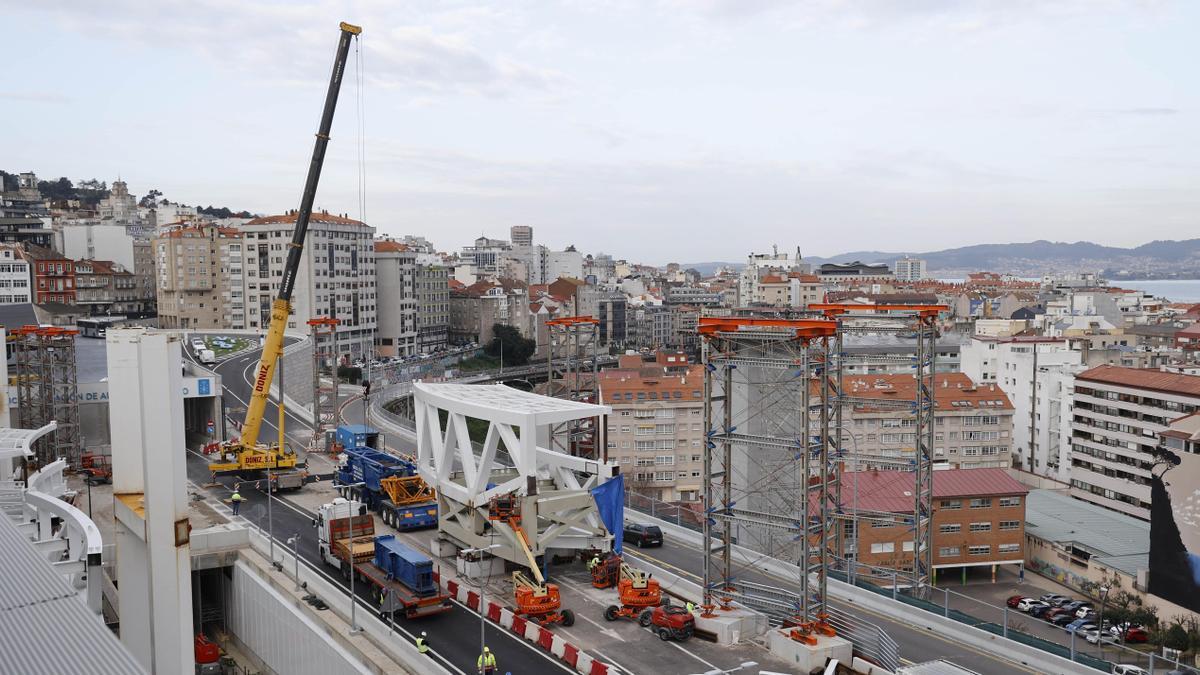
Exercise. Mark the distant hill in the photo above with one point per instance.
(1156, 259)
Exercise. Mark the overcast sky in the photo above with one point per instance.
(686, 130)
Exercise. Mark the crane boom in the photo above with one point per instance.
(281, 308)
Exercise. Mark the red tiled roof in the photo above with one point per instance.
(317, 217)
(892, 491)
(949, 389)
(1138, 378)
(389, 246)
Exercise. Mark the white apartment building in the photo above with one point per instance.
(909, 269)
(564, 264)
(199, 277)
(396, 284)
(1117, 418)
(1041, 422)
(521, 235)
(759, 265)
(655, 431)
(336, 277)
(14, 276)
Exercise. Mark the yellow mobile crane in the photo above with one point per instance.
(246, 453)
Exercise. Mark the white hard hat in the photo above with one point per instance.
(422, 633)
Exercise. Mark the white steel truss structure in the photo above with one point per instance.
(515, 458)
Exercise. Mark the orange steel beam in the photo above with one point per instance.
(803, 328)
(835, 308)
(571, 320)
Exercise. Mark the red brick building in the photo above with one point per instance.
(53, 276)
(978, 519)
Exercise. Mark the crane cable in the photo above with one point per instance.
(361, 116)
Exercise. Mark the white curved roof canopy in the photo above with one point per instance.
(504, 404)
(15, 443)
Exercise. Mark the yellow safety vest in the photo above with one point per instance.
(236, 497)
(488, 659)
(421, 646)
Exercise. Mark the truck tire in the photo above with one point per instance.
(645, 618)
(568, 618)
(610, 614)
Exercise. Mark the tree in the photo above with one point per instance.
(507, 341)
(59, 189)
(1176, 637)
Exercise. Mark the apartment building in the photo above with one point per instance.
(655, 430)
(336, 277)
(201, 279)
(973, 423)
(790, 290)
(433, 307)
(1118, 415)
(909, 269)
(978, 520)
(476, 309)
(53, 275)
(396, 282)
(14, 276)
(106, 287)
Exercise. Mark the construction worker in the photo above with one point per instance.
(593, 562)
(486, 662)
(691, 608)
(236, 500)
(422, 644)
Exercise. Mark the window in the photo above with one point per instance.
(981, 527)
(908, 547)
(882, 523)
(885, 547)
(665, 460)
(951, 504)
(624, 428)
(1008, 548)
(949, 551)
(950, 529)
(979, 550)
(1010, 501)
(1009, 525)
(981, 503)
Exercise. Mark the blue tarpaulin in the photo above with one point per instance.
(610, 500)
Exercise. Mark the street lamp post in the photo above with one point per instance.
(482, 611)
(1100, 626)
(294, 542)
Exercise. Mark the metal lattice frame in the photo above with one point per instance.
(921, 320)
(48, 390)
(323, 333)
(570, 376)
(769, 471)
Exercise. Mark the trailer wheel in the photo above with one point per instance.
(568, 618)
(610, 614)
(645, 617)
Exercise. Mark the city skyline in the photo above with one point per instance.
(641, 124)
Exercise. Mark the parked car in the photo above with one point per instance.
(1100, 637)
(1028, 604)
(1062, 618)
(1079, 626)
(1039, 611)
(642, 535)
(1127, 669)
(1074, 605)
(1135, 634)
(1013, 601)
(1053, 613)
(1085, 613)
(1054, 599)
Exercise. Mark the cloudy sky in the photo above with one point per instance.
(658, 130)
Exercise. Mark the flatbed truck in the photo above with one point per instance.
(401, 579)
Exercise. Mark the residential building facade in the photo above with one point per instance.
(433, 307)
(1118, 415)
(478, 308)
(972, 423)
(396, 282)
(200, 277)
(14, 276)
(909, 269)
(53, 275)
(655, 430)
(978, 520)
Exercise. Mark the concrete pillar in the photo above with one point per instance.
(150, 498)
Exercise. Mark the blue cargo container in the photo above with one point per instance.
(358, 436)
(405, 565)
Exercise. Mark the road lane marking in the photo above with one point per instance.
(710, 665)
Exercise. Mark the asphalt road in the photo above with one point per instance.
(453, 635)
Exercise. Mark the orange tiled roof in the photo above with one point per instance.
(317, 217)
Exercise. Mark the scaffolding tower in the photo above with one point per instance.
(919, 321)
(48, 390)
(571, 373)
(323, 331)
(770, 466)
